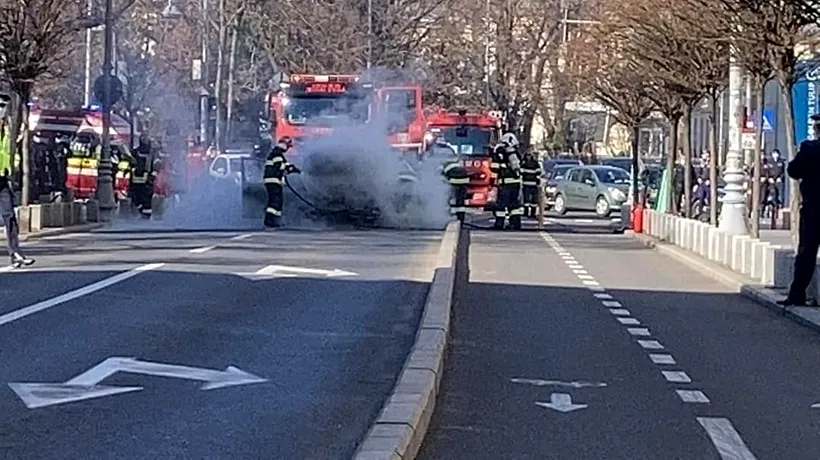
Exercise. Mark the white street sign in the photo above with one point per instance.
(86, 385)
(281, 271)
(575, 384)
(561, 402)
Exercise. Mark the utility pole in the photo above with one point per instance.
(88, 37)
(369, 32)
(105, 185)
(220, 59)
(733, 211)
(487, 32)
(204, 108)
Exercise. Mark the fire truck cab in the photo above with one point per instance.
(472, 136)
(82, 130)
(309, 105)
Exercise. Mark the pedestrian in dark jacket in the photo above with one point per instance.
(10, 224)
(805, 167)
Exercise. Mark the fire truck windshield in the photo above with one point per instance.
(468, 140)
(401, 107)
(326, 110)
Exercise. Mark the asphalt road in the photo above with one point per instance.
(314, 356)
(691, 371)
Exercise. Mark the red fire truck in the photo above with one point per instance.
(472, 135)
(83, 130)
(310, 105)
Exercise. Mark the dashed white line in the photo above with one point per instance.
(726, 439)
(662, 359)
(692, 396)
(586, 277)
(68, 296)
(564, 254)
(202, 249)
(629, 321)
(639, 331)
(580, 272)
(676, 377)
(242, 237)
(650, 344)
(602, 295)
(612, 303)
(596, 288)
(591, 283)
(620, 312)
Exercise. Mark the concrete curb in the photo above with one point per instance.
(61, 231)
(399, 430)
(805, 316)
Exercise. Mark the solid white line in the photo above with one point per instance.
(612, 303)
(650, 344)
(620, 312)
(242, 237)
(586, 277)
(726, 439)
(580, 272)
(7, 268)
(601, 295)
(639, 331)
(692, 396)
(676, 377)
(201, 250)
(85, 290)
(662, 359)
(628, 321)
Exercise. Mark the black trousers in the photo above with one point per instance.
(141, 197)
(530, 200)
(276, 200)
(458, 201)
(509, 206)
(806, 259)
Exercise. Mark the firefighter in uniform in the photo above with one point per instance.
(276, 167)
(457, 177)
(142, 178)
(530, 181)
(506, 170)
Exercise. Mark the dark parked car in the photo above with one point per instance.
(549, 165)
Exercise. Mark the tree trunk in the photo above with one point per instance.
(231, 72)
(687, 156)
(713, 159)
(220, 58)
(670, 165)
(791, 151)
(635, 144)
(25, 155)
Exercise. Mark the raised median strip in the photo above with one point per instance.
(400, 428)
(756, 270)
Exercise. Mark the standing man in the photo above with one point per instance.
(506, 170)
(142, 178)
(805, 167)
(276, 167)
(531, 180)
(10, 224)
(456, 175)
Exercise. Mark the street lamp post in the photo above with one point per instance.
(369, 32)
(733, 210)
(105, 182)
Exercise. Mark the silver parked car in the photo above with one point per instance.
(592, 188)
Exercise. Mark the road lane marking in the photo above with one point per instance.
(676, 376)
(580, 272)
(586, 277)
(612, 303)
(583, 221)
(662, 359)
(591, 283)
(629, 321)
(601, 295)
(202, 249)
(726, 439)
(85, 290)
(242, 237)
(650, 344)
(692, 396)
(620, 312)
(7, 268)
(639, 331)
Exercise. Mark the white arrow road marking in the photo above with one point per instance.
(85, 290)
(574, 384)
(279, 271)
(726, 439)
(86, 385)
(562, 402)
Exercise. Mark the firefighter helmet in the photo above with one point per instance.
(509, 140)
(287, 141)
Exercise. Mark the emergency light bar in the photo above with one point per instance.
(306, 78)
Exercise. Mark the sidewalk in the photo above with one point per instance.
(57, 231)
(776, 237)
